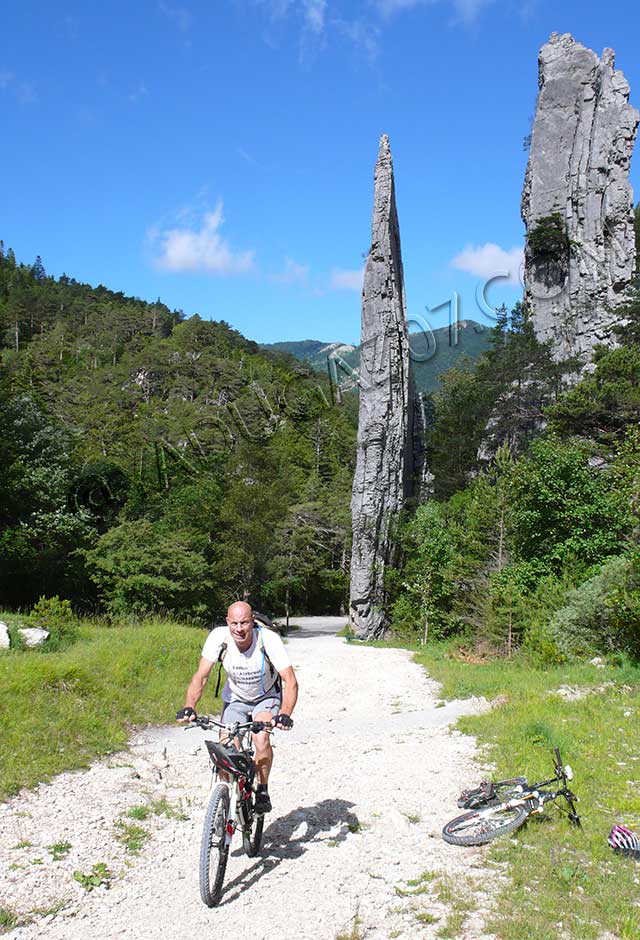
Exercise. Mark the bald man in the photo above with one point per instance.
(257, 667)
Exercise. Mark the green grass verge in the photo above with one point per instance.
(563, 882)
(62, 709)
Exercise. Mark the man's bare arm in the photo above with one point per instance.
(197, 684)
(290, 692)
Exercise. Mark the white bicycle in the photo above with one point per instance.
(232, 804)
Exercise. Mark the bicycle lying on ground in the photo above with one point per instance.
(503, 806)
(232, 805)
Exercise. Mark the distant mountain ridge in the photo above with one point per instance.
(432, 353)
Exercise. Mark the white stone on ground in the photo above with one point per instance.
(33, 636)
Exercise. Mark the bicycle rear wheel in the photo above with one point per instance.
(481, 826)
(493, 792)
(214, 850)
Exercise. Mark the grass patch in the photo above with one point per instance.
(59, 850)
(355, 933)
(51, 910)
(132, 836)
(558, 875)
(452, 927)
(8, 919)
(420, 885)
(412, 817)
(89, 696)
(161, 807)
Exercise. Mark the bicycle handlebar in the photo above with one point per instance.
(208, 721)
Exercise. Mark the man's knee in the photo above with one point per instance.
(262, 743)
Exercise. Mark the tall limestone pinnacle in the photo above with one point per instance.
(577, 203)
(385, 464)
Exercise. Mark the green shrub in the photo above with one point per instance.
(548, 237)
(56, 616)
(596, 617)
(141, 567)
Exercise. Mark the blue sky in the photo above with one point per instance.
(219, 153)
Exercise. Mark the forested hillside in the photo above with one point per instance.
(153, 462)
(433, 353)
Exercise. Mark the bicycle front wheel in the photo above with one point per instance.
(214, 850)
(252, 835)
(479, 827)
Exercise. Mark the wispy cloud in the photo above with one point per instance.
(346, 280)
(246, 156)
(319, 22)
(468, 11)
(490, 260)
(465, 11)
(313, 12)
(180, 16)
(293, 273)
(6, 79)
(363, 35)
(199, 250)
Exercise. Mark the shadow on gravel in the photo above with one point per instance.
(287, 839)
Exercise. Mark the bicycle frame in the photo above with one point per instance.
(239, 784)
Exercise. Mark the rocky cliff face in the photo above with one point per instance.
(577, 203)
(384, 467)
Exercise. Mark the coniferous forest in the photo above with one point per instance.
(157, 463)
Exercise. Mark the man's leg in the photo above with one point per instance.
(264, 751)
(264, 711)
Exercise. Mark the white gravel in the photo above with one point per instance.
(360, 787)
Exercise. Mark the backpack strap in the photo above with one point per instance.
(277, 685)
(223, 650)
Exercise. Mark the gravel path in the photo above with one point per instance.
(360, 787)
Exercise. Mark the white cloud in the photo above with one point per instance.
(293, 273)
(490, 260)
(346, 280)
(180, 15)
(6, 78)
(202, 250)
(313, 12)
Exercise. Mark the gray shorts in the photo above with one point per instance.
(246, 711)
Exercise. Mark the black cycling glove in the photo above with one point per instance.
(283, 720)
(186, 712)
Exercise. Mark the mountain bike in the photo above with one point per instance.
(504, 806)
(231, 806)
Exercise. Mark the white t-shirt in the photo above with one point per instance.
(249, 675)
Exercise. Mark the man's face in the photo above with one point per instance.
(240, 623)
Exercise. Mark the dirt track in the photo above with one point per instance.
(360, 789)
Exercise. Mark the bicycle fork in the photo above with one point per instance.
(239, 793)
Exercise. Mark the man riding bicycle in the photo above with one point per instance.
(257, 664)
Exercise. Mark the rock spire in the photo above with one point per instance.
(385, 463)
(577, 203)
